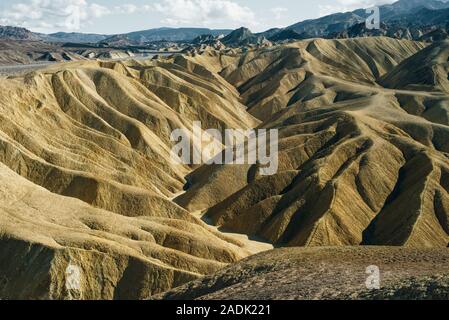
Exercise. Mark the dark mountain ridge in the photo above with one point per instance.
(409, 19)
(404, 13)
(132, 38)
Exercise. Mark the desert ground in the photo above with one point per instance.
(326, 273)
(87, 178)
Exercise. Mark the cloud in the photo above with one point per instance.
(49, 15)
(350, 5)
(73, 15)
(205, 13)
(279, 12)
(126, 9)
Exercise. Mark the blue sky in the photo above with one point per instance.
(115, 16)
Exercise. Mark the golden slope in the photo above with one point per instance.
(359, 163)
(355, 166)
(100, 132)
(119, 257)
(426, 71)
(104, 137)
(271, 79)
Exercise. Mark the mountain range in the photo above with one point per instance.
(133, 38)
(407, 12)
(405, 18)
(410, 19)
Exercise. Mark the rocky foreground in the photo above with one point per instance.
(326, 273)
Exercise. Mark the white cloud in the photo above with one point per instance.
(49, 15)
(350, 5)
(206, 13)
(98, 11)
(73, 15)
(126, 9)
(279, 12)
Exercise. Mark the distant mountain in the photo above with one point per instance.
(133, 38)
(288, 34)
(423, 17)
(165, 34)
(407, 7)
(435, 35)
(405, 19)
(270, 33)
(399, 31)
(409, 12)
(120, 40)
(242, 37)
(202, 42)
(327, 25)
(408, 19)
(205, 39)
(15, 33)
(423, 24)
(75, 37)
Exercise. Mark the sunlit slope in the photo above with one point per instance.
(356, 165)
(87, 176)
(275, 78)
(118, 257)
(426, 71)
(99, 132)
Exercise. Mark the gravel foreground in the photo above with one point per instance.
(326, 273)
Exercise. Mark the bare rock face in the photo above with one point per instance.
(359, 164)
(118, 257)
(100, 133)
(426, 71)
(87, 181)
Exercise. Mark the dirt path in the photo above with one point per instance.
(253, 246)
(13, 70)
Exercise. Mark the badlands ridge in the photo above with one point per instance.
(87, 179)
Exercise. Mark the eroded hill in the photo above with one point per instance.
(100, 133)
(359, 164)
(87, 176)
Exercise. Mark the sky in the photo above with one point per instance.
(122, 16)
